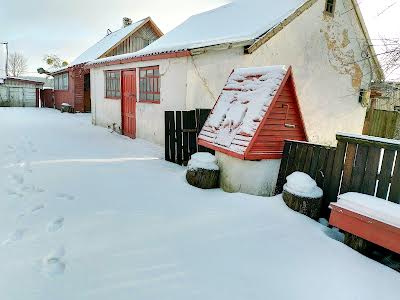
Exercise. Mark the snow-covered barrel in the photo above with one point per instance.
(203, 171)
(302, 194)
(256, 112)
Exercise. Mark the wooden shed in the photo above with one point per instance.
(256, 112)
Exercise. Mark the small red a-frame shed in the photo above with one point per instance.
(256, 112)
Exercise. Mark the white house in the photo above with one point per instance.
(325, 41)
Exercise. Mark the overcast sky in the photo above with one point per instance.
(67, 28)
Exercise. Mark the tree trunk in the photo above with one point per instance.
(310, 207)
(203, 178)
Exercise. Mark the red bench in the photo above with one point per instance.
(372, 219)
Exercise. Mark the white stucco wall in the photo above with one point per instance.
(149, 116)
(322, 51)
(249, 177)
(326, 55)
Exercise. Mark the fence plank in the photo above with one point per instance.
(172, 144)
(394, 195)
(348, 168)
(185, 137)
(385, 174)
(283, 168)
(371, 171)
(300, 157)
(336, 174)
(193, 132)
(291, 167)
(321, 166)
(309, 156)
(314, 162)
(179, 142)
(357, 176)
(327, 179)
(168, 116)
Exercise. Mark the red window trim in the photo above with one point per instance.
(105, 85)
(153, 93)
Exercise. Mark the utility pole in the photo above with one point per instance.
(6, 44)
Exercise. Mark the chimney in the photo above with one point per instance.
(126, 22)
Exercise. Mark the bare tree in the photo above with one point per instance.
(55, 62)
(17, 64)
(390, 58)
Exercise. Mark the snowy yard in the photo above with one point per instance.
(88, 214)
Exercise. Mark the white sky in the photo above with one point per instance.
(67, 28)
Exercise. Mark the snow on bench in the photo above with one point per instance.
(372, 207)
(369, 218)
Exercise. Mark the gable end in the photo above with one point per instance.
(283, 121)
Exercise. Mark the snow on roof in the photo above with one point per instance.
(372, 207)
(106, 43)
(239, 21)
(241, 107)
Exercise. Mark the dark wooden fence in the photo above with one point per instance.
(358, 164)
(383, 123)
(181, 131)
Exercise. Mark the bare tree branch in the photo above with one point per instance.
(17, 64)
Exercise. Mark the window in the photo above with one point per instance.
(61, 82)
(113, 84)
(330, 6)
(149, 84)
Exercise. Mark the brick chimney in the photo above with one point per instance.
(126, 22)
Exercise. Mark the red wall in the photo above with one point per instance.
(75, 94)
(274, 132)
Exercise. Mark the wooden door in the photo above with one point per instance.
(128, 105)
(86, 93)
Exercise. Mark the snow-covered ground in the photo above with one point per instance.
(88, 214)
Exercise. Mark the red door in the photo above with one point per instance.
(128, 104)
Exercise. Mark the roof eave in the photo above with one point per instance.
(374, 57)
(275, 30)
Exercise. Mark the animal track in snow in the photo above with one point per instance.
(65, 196)
(55, 225)
(53, 263)
(17, 235)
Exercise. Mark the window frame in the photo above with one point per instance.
(61, 82)
(328, 5)
(118, 80)
(156, 81)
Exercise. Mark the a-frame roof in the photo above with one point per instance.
(241, 111)
(112, 40)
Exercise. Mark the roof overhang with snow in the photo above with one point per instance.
(256, 112)
(243, 24)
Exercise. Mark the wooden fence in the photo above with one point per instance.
(358, 164)
(181, 131)
(382, 123)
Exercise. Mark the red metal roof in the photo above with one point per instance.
(256, 112)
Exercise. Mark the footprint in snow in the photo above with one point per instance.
(32, 188)
(54, 264)
(11, 192)
(37, 208)
(18, 179)
(55, 225)
(65, 196)
(15, 236)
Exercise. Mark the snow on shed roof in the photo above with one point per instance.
(107, 43)
(239, 21)
(242, 106)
